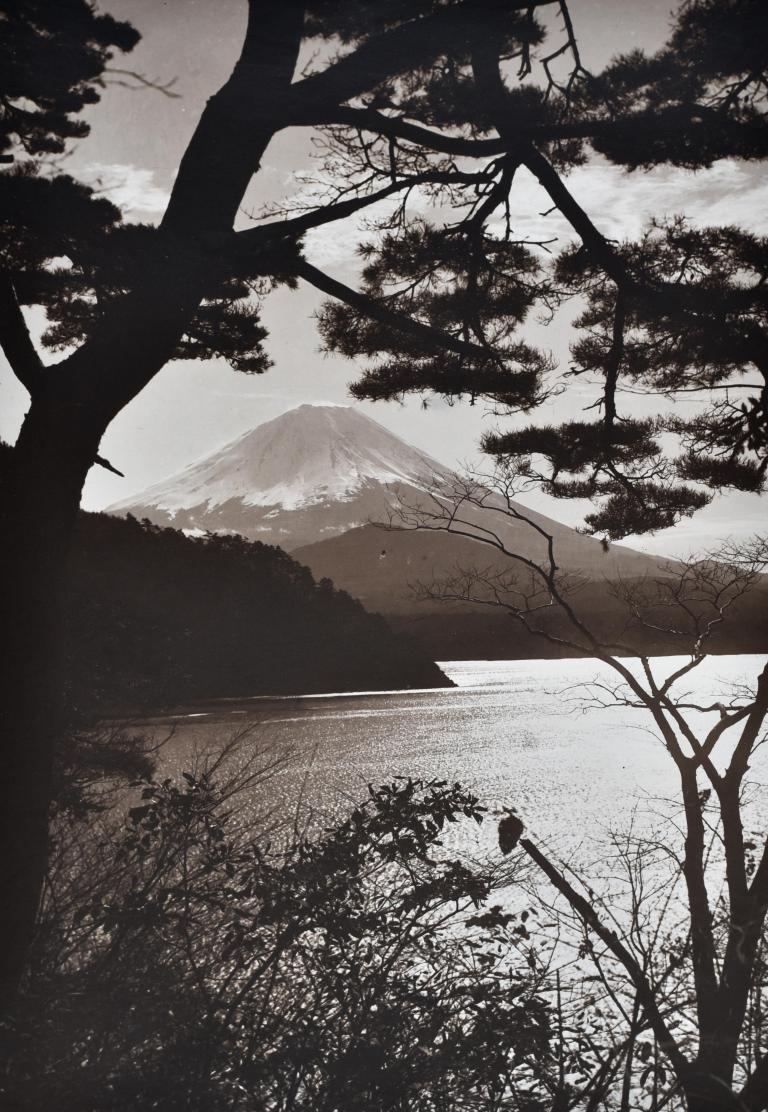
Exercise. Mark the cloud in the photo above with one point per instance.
(132, 188)
(622, 203)
(334, 245)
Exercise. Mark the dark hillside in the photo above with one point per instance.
(156, 617)
(383, 568)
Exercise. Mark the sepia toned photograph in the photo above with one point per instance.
(384, 557)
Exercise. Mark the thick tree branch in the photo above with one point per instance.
(517, 132)
(749, 735)
(754, 1096)
(140, 331)
(702, 936)
(746, 900)
(396, 127)
(377, 311)
(237, 123)
(16, 341)
(410, 46)
(102, 462)
(595, 242)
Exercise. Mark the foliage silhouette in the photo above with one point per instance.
(409, 91)
(198, 957)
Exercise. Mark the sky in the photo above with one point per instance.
(193, 408)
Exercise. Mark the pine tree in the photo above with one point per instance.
(682, 310)
(409, 96)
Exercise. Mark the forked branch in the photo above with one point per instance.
(16, 341)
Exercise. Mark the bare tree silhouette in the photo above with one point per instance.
(711, 745)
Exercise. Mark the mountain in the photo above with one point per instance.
(381, 566)
(383, 569)
(319, 471)
(315, 478)
(312, 473)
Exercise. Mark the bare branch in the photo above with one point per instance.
(138, 81)
(327, 214)
(610, 939)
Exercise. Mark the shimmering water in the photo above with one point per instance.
(517, 732)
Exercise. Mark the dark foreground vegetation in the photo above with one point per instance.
(200, 954)
(176, 962)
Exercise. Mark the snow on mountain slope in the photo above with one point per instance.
(311, 473)
(317, 472)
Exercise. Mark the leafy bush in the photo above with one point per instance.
(204, 953)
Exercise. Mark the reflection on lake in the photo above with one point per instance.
(517, 732)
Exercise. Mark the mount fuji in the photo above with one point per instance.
(313, 480)
(310, 474)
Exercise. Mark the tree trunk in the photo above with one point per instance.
(39, 502)
(709, 1089)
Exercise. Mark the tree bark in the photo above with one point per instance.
(708, 1091)
(38, 509)
(72, 406)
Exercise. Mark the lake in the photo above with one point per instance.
(517, 732)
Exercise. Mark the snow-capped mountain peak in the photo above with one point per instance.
(311, 473)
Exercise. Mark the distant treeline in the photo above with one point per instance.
(155, 617)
